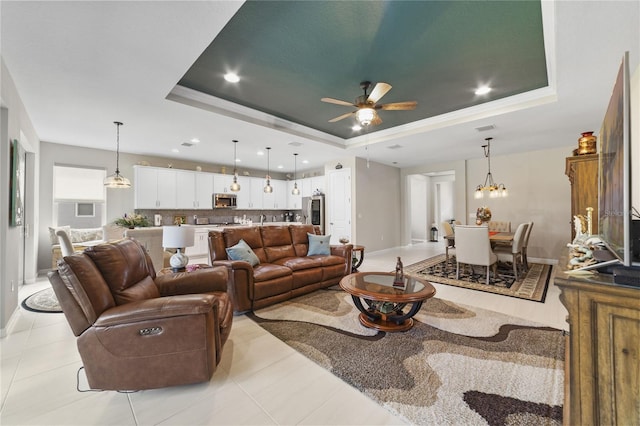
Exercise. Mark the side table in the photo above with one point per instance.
(357, 259)
(189, 268)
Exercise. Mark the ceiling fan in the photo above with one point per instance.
(366, 114)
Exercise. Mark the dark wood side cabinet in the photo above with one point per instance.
(604, 350)
(582, 171)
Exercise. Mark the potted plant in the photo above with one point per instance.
(132, 221)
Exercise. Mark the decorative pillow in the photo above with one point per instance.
(85, 234)
(52, 233)
(319, 244)
(242, 251)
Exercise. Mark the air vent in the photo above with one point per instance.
(187, 144)
(396, 146)
(295, 144)
(485, 128)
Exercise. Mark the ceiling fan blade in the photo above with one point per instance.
(398, 106)
(337, 102)
(378, 92)
(343, 116)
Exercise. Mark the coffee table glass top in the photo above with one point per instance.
(379, 283)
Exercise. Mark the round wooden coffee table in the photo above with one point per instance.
(385, 304)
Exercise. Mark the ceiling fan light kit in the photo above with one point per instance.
(366, 113)
(494, 190)
(116, 180)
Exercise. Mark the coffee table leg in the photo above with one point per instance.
(367, 312)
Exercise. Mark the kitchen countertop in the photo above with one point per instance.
(223, 225)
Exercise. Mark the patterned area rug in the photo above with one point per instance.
(457, 365)
(42, 301)
(532, 286)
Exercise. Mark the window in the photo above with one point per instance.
(79, 197)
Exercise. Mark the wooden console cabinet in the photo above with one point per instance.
(604, 350)
(582, 171)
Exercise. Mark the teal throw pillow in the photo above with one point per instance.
(318, 244)
(242, 251)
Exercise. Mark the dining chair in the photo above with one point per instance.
(473, 248)
(449, 241)
(525, 261)
(514, 253)
(66, 247)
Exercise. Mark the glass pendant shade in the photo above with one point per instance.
(235, 186)
(268, 189)
(116, 180)
(295, 190)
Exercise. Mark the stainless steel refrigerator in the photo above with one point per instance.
(313, 211)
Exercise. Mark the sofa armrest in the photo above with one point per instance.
(240, 284)
(346, 251)
(158, 308)
(199, 281)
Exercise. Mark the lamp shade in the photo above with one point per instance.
(177, 236)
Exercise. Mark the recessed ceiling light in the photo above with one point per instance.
(238, 160)
(260, 153)
(356, 128)
(280, 166)
(195, 140)
(176, 150)
(483, 90)
(231, 77)
(305, 161)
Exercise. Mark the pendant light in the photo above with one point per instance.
(494, 190)
(268, 188)
(295, 190)
(116, 180)
(235, 186)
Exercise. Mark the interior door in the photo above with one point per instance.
(339, 205)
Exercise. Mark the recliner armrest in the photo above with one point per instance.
(199, 281)
(240, 288)
(162, 307)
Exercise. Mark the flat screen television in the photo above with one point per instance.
(616, 212)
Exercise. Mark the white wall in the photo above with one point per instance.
(417, 196)
(14, 124)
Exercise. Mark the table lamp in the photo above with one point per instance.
(178, 237)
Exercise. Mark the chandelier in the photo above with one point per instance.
(494, 190)
(116, 180)
(235, 186)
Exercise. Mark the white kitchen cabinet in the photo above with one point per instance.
(250, 194)
(256, 190)
(204, 190)
(199, 252)
(154, 188)
(221, 183)
(294, 202)
(276, 200)
(318, 184)
(305, 186)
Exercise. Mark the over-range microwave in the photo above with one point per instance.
(224, 201)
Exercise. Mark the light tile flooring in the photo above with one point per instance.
(260, 380)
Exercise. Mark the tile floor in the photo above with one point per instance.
(259, 381)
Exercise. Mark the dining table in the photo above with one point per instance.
(495, 237)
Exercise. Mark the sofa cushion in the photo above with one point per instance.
(319, 244)
(269, 271)
(299, 263)
(242, 251)
(277, 242)
(251, 235)
(300, 239)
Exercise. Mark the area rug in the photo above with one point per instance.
(458, 365)
(42, 301)
(532, 286)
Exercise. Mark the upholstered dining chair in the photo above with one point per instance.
(514, 252)
(473, 248)
(66, 247)
(525, 261)
(449, 242)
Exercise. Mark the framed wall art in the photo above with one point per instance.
(16, 182)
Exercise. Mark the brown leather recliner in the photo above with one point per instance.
(137, 330)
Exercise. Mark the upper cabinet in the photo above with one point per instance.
(294, 202)
(221, 183)
(155, 188)
(195, 189)
(276, 200)
(250, 194)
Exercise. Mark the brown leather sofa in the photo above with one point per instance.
(285, 271)
(137, 330)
